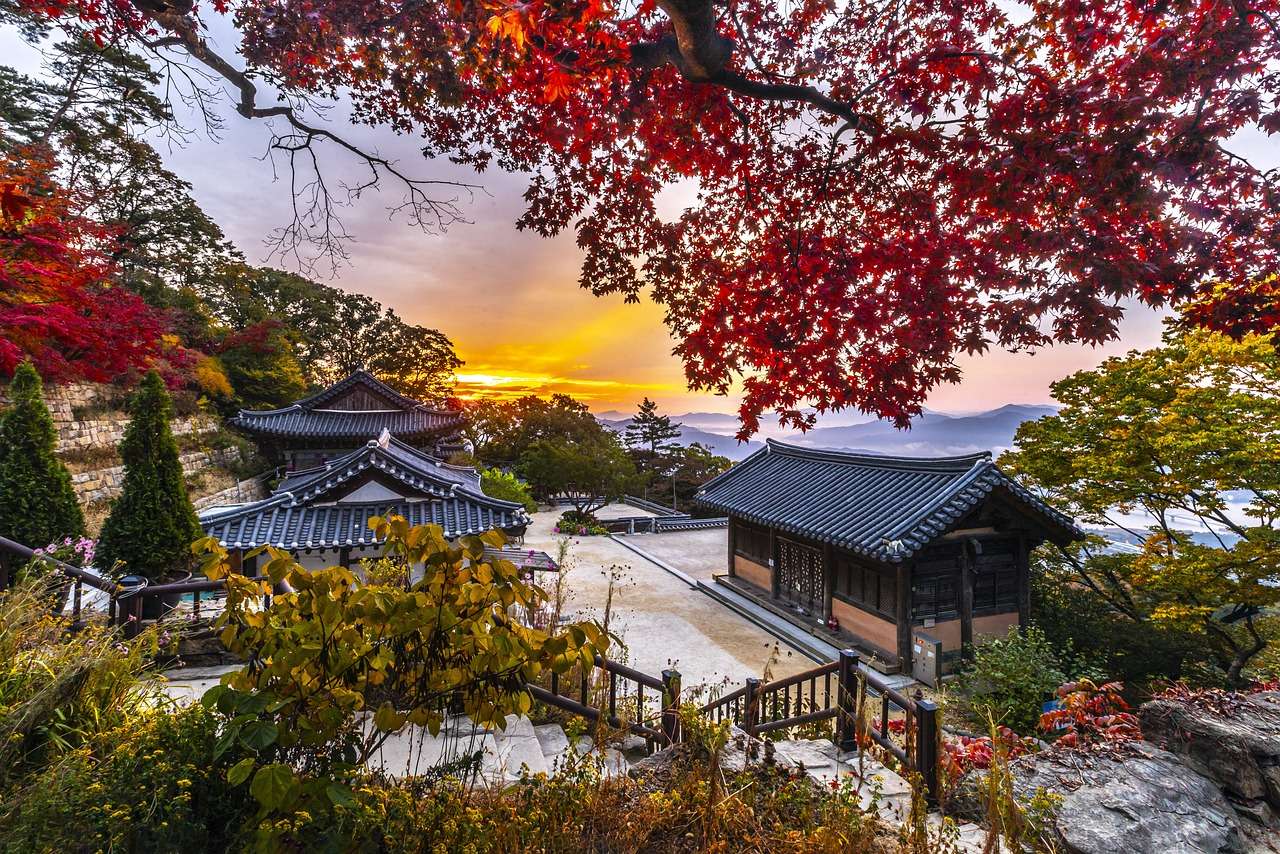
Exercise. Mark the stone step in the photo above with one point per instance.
(556, 749)
(519, 749)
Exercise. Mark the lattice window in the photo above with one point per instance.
(799, 573)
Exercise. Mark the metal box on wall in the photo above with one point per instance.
(926, 658)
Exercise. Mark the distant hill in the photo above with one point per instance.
(933, 434)
(717, 443)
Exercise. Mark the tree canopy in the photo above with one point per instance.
(1179, 448)
(879, 186)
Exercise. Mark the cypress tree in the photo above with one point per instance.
(152, 524)
(37, 503)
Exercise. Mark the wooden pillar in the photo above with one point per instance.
(773, 563)
(733, 547)
(846, 703)
(966, 599)
(344, 556)
(249, 566)
(903, 615)
(1024, 584)
(828, 579)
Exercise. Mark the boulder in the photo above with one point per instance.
(1138, 800)
(1233, 739)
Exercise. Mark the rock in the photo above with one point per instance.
(1237, 746)
(1143, 801)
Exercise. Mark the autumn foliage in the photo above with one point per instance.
(879, 186)
(58, 303)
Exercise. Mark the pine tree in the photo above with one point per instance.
(152, 524)
(37, 503)
(647, 436)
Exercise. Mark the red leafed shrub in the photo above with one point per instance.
(964, 753)
(1091, 714)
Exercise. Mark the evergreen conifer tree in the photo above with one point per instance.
(37, 503)
(152, 524)
(648, 435)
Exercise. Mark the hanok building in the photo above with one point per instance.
(344, 416)
(322, 514)
(892, 548)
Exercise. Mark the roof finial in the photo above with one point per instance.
(384, 438)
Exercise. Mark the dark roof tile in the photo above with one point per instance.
(886, 508)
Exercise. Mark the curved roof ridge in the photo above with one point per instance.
(958, 462)
(293, 407)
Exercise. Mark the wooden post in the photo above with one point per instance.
(927, 732)
(344, 557)
(828, 580)
(4, 571)
(902, 616)
(671, 705)
(773, 563)
(1024, 584)
(733, 547)
(966, 600)
(751, 706)
(847, 686)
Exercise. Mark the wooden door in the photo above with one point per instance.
(800, 574)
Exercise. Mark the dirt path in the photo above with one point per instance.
(662, 621)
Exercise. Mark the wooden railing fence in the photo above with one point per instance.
(762, 707)
(126, 604)
(614, 694)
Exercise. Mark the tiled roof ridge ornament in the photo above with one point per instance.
(384, 438)
(895, 547)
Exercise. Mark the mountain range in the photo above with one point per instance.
(723, 444)
(933, 434)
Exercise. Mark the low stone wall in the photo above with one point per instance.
(106, 483)
(253, 489)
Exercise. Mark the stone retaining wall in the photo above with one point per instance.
(253, 489)
(106, 430)
(106, 483)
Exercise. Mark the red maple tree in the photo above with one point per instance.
(881, 184)
(58, 304)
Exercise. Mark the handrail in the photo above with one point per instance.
(630, 673)
(106, 585)
(813, 672)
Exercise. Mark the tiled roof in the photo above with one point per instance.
(418, 469)
(886, 508)
(307, 418)
(301, 513)
(279, 523)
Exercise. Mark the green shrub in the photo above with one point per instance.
(1009, 679)
(37, 503)
(152, 524)
(58, 690)
(1077, 619)
(503, 485)
(153, 784)
(583, 524)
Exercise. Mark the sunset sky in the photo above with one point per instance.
(509, 300)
